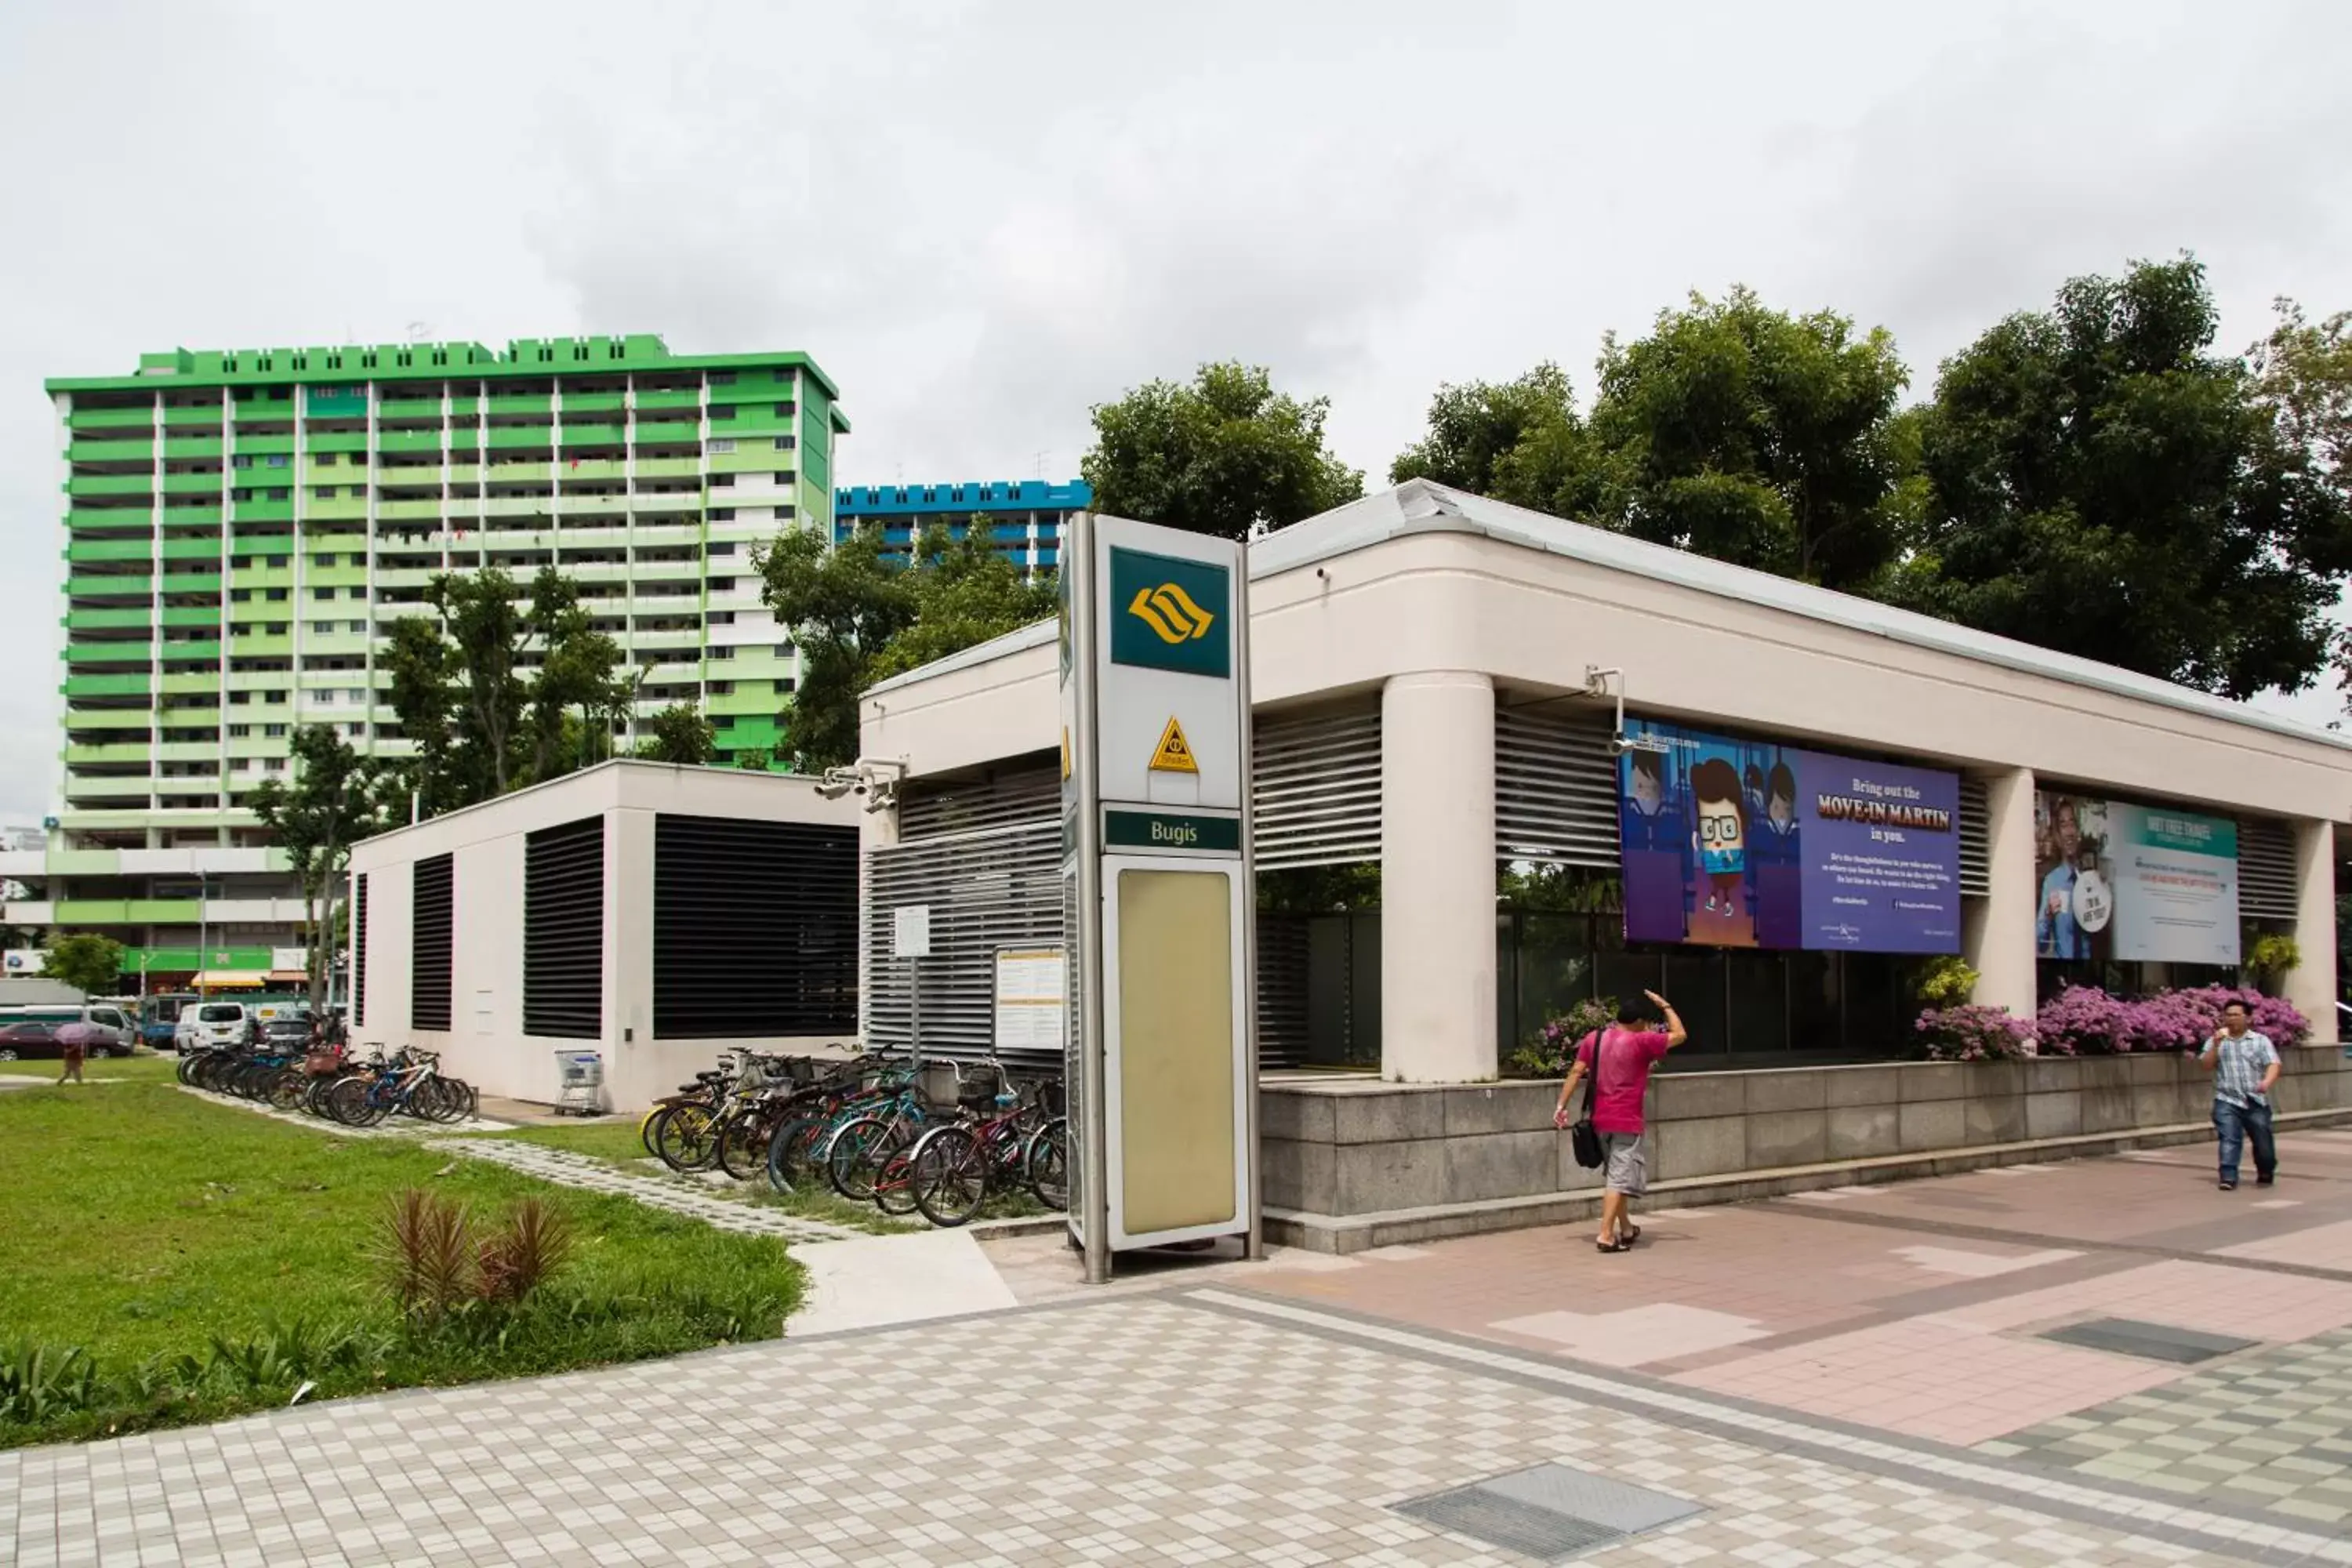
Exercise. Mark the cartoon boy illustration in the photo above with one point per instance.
(1779, 836)
(1722, 836)
(1647, 823)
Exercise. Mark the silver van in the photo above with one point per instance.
(205, 1025)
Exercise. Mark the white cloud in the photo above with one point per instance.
(982, 220)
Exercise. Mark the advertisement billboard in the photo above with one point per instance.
(2120, 881)
(1730, 843)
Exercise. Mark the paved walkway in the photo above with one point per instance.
(1923, 1374)
(667, 1193)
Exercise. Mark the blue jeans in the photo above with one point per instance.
(2237, 1124)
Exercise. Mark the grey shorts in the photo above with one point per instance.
(1625, 1169)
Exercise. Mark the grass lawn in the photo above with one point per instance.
(144, 1226)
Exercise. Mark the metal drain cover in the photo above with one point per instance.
(2152, 1341)
(1548, 1512)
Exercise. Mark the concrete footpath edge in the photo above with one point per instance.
(1344, 1234)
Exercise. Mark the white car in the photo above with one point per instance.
(205, 1025)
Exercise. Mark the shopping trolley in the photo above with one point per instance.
(582, 1075)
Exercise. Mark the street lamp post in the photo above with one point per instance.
(203, 926)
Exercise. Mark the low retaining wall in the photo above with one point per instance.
(1333, 1152)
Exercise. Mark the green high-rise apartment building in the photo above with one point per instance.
(242, 527)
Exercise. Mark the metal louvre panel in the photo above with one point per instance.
(1001, 888)
(359, 948)
(1555, 788)
(432, 909)
(1315, 789)
(1004, 800)
(563, 930)
(1282, 970)
(2266, 870)
(1976, 848)
(755, 929)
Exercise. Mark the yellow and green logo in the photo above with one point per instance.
(1171, 613)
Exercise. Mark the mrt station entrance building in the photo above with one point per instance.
(1462, 711)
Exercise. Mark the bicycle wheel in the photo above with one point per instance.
(682, 1136)
(1048, 1164)
(742, 1146)
(950, 1175)
(285, 1088)
(788, 1149)
(854, 1152)
(452, 1102)
(352, 1103)
(894, 1180)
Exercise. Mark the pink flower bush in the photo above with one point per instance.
(2082, 1020)
(1971, 1033)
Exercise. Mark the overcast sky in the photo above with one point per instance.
(982, 219)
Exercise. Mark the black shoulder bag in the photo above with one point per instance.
(1583, 1138)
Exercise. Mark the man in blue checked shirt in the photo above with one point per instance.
(2244, 1065)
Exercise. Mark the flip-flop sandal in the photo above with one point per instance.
(1612, 1247)
(1633, 1234)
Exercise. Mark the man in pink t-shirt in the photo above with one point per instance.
(1620, 1059)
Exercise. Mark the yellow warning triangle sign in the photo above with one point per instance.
(1174, 754)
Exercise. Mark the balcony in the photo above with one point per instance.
(247, 409)
(529, 402)
(79, 788)
(198, 414)
(669, 467)
(193, 446)
(111, 585)
(319, 441)
(192, 615)
(577, 470)
(408, 441)
(190, 650)
(113, 451)
(193, 547)
(465, 476)
(518, 506)
(100, 726)
(408, 410)
(192, 517)
(391, 510)
(684, 397)
(260, 647)
(513, 473)
(194, 681)
(127, 911)
(263, 446)
(139, 685)
(405, 576)
(139, 549)
(683, 501)
(130, 617)
(110, 752)
(136, 651)
(341, 509)
(142, 418)
(188, 751)
(192, 582)
(587, 435)
(614, 506)
(110, 485)
(262, 511)
(540, 438)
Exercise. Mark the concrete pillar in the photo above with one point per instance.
(2311, 984)
(1997, 932)
(875, 830)
(1437, 878)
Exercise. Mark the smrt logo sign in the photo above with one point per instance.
(1171, 613)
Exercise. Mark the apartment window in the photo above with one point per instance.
(722, 447)
(275, 765)
(784, 410)
(278, 563)
(279, 593)
(239, 731)
(240, 461)
(240, 698)
(722, 617)
(727, 548)
(783, 650)
(722, 378)
(721, 514)
(276, 461)
(787, 443)
(273, 731)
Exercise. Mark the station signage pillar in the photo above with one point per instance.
(1158, 892)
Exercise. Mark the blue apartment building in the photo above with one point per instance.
(1026, 517)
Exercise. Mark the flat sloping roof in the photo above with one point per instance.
(1418, 506)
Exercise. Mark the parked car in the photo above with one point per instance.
(115, 1035)
(287, 1031)
(205, 1025)
(30, 1042)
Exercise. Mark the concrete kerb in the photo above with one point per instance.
(1343, 1234)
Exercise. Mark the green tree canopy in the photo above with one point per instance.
(87, 960)
(502, 686)
(859, 618)
(1215, 455)
(2103, 485)
(334, 799)
(1519, 441)
(679, 734)
(1754, 436)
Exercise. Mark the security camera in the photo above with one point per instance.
(838, 782)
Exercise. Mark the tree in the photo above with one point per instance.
(2104, 485)
(756, 760)
(1216, 456)
(335, 799)
(859, 618)
(1519, 441)
(1754, 436)
(484, 720)
(680, 734)
(87, 960)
